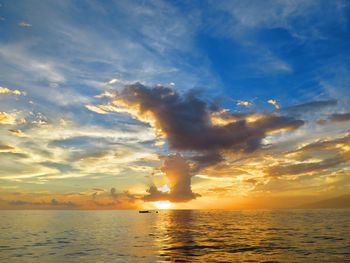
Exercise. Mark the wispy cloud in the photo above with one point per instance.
(24, 24)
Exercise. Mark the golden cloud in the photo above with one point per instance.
(7, 118)
(5, 90)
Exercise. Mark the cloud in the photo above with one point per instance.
(54, 203)
(5, 90)
(185, 120)
(264, 14)
(17, 132)
(7, 118)
(339, 117)
(95, 109)
(5, 148)
(307, 167)
(314, 157)
(61, 167)
(202, 133)
(24, 24)
(123, 197)
(334, 118)
(178, 172)
(83, 58)
(251, 181)
(98, 189)
(33, 69)
(274, 103)
(310, 106)
(324, 144)
(267, 63)
(112, 199)
(113, 81)
(243, 103)
(293, 16)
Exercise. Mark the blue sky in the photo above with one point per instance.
(246, 56)
(232, 48)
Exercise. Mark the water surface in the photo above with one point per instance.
(175, 236)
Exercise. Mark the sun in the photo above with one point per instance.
(162, 204)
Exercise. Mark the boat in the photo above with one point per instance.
(144, 211)
(147, 211)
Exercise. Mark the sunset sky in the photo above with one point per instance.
(173, 104)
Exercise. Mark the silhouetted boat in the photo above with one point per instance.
(144, 211)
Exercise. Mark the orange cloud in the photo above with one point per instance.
(7, 118)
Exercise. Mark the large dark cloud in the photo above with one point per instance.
(198, 130)
(187, 124)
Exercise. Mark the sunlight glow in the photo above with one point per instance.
(164, 188)
(162, 204)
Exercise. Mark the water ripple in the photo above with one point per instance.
(175, 236)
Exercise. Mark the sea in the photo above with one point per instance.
(282, 235)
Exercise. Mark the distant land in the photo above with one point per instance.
(337, 202)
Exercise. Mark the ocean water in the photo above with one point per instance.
(175, 236)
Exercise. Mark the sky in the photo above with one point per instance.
(173, 104)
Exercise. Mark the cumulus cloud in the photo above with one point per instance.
(186, 120)
(195, 128)
(178, 172)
